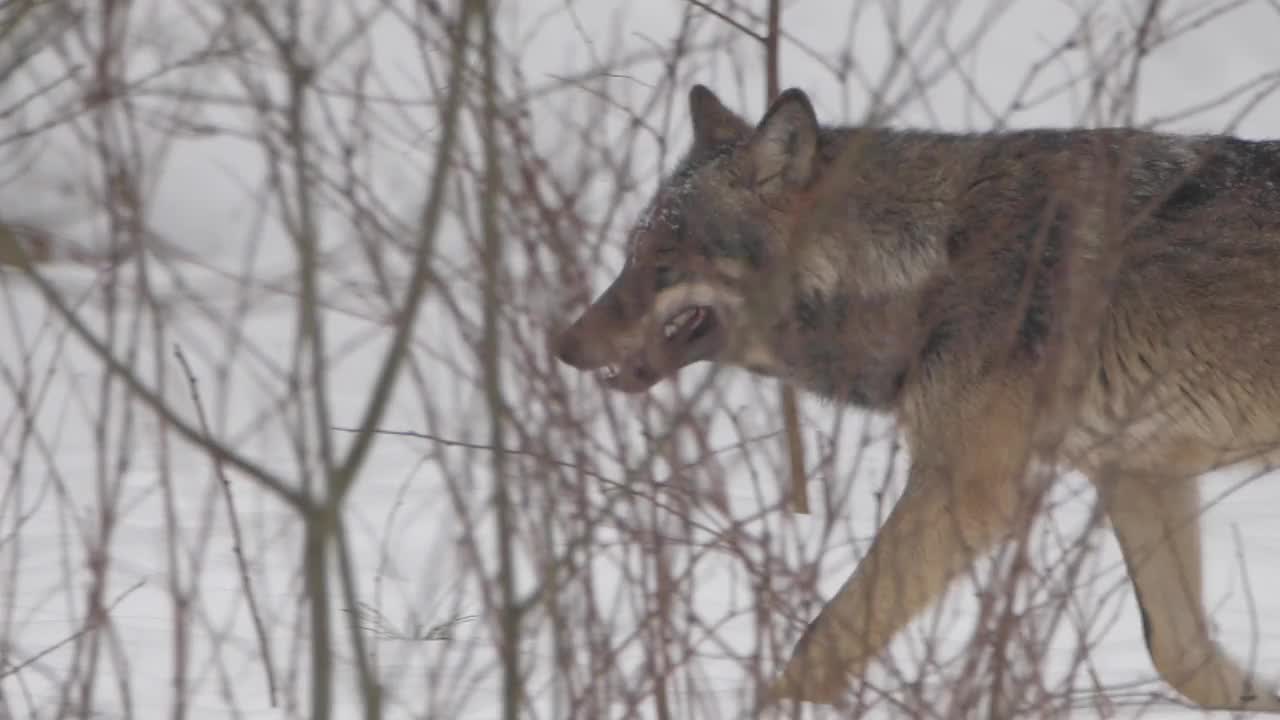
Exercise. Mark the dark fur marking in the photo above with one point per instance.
(815, 311)
(958, 243)
(868, 390)
(894, 388)
(1048, 141)
(1034, 330)
(937, 341)
(809, 310)
(1042, 262)
(1249, 157)
(702, 231)
(741, 241)
(1026, 269)
(665, 276)
(824, 365)
(838, 307)
(857, 396)
(750, 241)
(1229, 163)
(1195, 401)
(876, 387)
(870, 384)
(1198, 187)
(1189, 195)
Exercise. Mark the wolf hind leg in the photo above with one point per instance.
(1157, 521)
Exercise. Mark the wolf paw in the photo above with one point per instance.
(1258, 695)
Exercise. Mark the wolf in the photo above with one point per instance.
(1105, 300)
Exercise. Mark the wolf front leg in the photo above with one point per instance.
(962, 497)
(1157, 521)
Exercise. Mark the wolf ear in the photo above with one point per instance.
(713, 123)
(785, 145)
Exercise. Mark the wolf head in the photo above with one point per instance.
(702, 258)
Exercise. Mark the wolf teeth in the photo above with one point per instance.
(673, 325)
(609, 372)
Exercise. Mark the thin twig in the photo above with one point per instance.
(730, 21)
(237, 543)
(15, 669)
(551, 460)
(449, 442)
(1251, 601)
(509, 612)
(432, 213)
(798, 494)
(154, 402)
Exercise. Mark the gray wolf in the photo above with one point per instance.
(1107, 300)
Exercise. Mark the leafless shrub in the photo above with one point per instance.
(360, 226)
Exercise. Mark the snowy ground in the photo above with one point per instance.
(405, 534)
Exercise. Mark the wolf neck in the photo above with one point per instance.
(866, 247)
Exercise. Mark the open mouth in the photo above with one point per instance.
(690, 334)
(690, 324)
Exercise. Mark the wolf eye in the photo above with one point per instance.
(664, 277)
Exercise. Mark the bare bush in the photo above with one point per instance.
(284, 428)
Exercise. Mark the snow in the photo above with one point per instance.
(421, 533)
